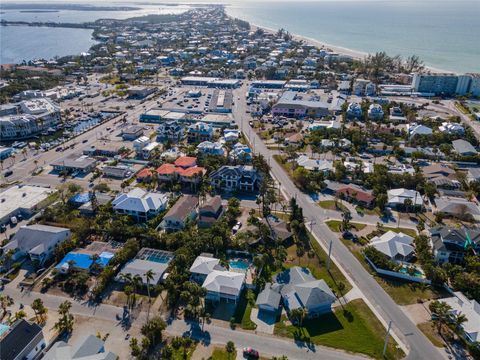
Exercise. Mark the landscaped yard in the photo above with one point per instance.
(332, 205)
(318, 266)
(183, 353)
(354, 328)
(242, 313)
(222, 354)
(409, 232)
(431, 334)
(335, 225)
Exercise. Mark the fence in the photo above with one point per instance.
(397, 274)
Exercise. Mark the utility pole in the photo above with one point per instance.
(386, 338)
(329, 254)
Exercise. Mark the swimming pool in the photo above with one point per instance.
(161, 259)
(84, 261)
(3, 329)
(238, 264)
(417, 273)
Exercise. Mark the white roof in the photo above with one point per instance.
(398, 196)
(312, 164)
(392, 244)
(21, 197)
(471, 309)
(224, 282)
(139, 200)
(204, 265)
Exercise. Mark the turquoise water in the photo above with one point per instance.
(238, 264)
(84, 261)
(405, 271)
(445, 34)
(162, 259)
(3, 329)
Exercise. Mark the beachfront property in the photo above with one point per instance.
(36, 241)
(147, 260)
(449, 84)
(292, 104)
(140, 204)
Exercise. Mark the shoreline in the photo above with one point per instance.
(355, 54)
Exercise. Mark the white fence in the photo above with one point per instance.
(397, 274)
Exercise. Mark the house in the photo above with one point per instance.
(211, 148)
(396, 246)
(268, 299)
(314, 164)
(414, 129)
(140, 143)
(441, 175)
(171, 131)
(397, 197)
(147, 259)
(463, 148)
(448, 243)
(184, 170)
(473, 174)
(204, 265)
(358, 194)
(460, 304)
(240, 152)
(236, 178)
(199, 132)
(457, 207)
(224, 285)
(87, 347)
(210, 212)
(132, 132)
(451, 128)
(375, 112)
(295, 140)
(148, 149)
(178, 216)
(140, 204)
(299, 289)
(21, 340)
(37, 241)
(144, 175)
(354, 110)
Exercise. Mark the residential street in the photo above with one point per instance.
(419, 347)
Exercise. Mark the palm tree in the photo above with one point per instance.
(5, 301)
(149, 275)
(39, 308)
(136, 282)
(442, 317)
(128, 289)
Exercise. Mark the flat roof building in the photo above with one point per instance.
(24, 200)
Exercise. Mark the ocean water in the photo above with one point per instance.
(444, 33)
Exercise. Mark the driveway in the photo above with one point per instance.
(264, 320)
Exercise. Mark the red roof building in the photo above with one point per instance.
(186, 161)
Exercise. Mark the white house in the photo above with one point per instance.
(397, 246)
(471, 309)
(37, 241)
(451, 128)
(211, 148)
(414, 129)
(375, 112)
(140, 204)
(397, 197)
(314, 165)
(224, 285)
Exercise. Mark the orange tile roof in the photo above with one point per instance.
(192, 171)
(186, 161)
(144, 173)
(166, 169)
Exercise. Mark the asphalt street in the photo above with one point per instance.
(419, 347)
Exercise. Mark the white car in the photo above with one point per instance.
(236, 227)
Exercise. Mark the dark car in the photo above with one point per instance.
(250, 353)
(8, 173)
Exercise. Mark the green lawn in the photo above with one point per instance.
(318, 266)
(431, 334)
(354, 328)
(222, 354)
(178, 354)
(330, 205)
(366, 211)
(409, 232)
(242, 313)
(335, 225)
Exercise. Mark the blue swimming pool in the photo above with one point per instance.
(161, 259)
(84, 261)
(238, 264)
(417, 273)
(3, 329)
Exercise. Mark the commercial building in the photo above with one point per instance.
(132, 132)
(159, 115)
(82, 164)
(21, 199)
(138, 92)
(446, 84)
(291, 104)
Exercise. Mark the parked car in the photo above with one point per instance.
(237, 227)
(8, 173)
(250, 353)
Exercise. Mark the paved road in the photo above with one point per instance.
(270, 345)
(419, 346)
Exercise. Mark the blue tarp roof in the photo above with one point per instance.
(80, 198)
